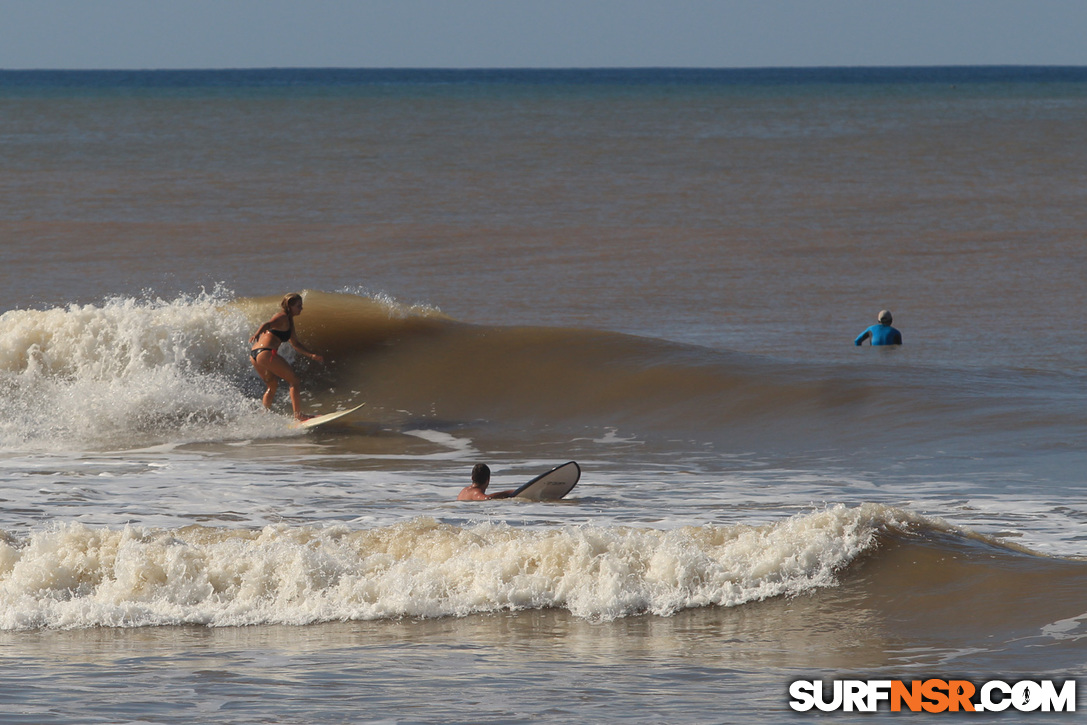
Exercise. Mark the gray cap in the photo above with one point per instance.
(884, 317)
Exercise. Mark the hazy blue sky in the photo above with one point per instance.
(538, 33)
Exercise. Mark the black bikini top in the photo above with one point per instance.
(283, 335)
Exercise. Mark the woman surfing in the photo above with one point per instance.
(265, 353)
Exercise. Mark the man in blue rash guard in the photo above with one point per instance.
(881, 334)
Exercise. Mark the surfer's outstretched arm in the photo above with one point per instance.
(297, 345)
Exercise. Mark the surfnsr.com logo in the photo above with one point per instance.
(933, 695)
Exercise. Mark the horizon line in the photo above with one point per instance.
(195, 69)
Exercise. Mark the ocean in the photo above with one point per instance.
(656, 273)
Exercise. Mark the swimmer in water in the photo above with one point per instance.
(881, 334)
(481, 478)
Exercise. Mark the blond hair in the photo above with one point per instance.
(289, 300)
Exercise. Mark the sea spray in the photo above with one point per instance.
(126, 372)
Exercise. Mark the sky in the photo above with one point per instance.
(156, 34)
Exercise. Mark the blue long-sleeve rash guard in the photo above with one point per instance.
(881, 335)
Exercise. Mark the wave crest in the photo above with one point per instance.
(78, 576)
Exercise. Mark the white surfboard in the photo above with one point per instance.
(326, 418)
(551, 486)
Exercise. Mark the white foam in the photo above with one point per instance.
(456, 447)
(126, 373)
(1073, 628)
(394, 307)
(78, 576)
